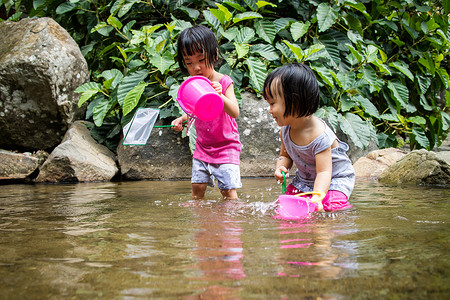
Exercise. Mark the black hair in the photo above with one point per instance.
(299, 87)
(197, 39)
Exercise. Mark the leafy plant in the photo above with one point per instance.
(382, 66)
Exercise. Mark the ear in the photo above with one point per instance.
(217, 54)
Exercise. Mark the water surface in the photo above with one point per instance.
(147, 239)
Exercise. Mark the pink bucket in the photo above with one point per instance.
(198, 99)
(294, 207)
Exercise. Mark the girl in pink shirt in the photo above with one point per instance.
(217, 148)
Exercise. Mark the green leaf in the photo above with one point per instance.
(113, 21)
(220, 15)
(283, 23)
(355, 53)
(356, 5)
(125, 7)
(128, 83)
(265, 50)
(257, 72)
(102, 28)
(226, 12)
(428, 62)
(299, 29)
(229, 34)
(234, 5)
(445, 78)
(312, 53)
(326, 16)
(245, 35)
(101, 110)
(424, 83)
(371, 77)
(242, 49)
(66, 7)
(86, 96)
(260, 4)
(246, 16)
(265, 30)
(354, 23)
(399, 92)
(420, 137)
(331, 50)
(112, 78)
(371, 53)
(417, 120)
(325, 74)
(162, 62)
(192, 13)
(347, 103)
(356, 129)
(296, 50)
(369, 108)
(132, 98)
(390, 117)
(211, 19)
(88, 86)
(402, 67)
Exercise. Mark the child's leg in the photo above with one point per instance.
(335, 200)
(201, 178)
(229, 194)
(229, 179)
(198, 190)
(292, 190)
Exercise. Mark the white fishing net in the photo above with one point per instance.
(138, 130)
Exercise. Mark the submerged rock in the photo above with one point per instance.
(418, 167)
(79, 158)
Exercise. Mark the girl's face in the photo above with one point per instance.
(277, 105)
(196, 65)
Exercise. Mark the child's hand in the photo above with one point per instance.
(217, 86)
(178, 124)
(279, 176)
(316, 199)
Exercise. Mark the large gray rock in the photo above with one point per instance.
(260, 137)
(15, 165)
(165, 156)
(79, 158)
(418, 167)
(40, 67)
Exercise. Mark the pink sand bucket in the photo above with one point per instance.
(292, 207)
(198, 99)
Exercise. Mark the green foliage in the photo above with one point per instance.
(382, 65)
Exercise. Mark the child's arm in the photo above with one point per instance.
(284, 163)
(178, 123)
(230, 104)
(323, 170)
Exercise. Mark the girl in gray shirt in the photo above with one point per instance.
(323, 167)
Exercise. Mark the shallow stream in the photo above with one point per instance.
(148, 240)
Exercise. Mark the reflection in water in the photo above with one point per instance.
(219, 250)
(309, 248)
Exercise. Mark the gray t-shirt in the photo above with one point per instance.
(343, 173)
